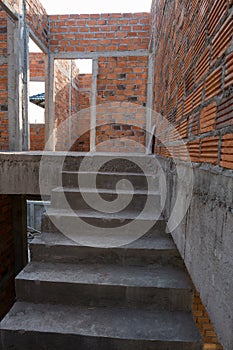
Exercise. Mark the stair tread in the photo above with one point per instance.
(109, 173)
(104, 191)
(90, 213)
(158, 241)
(106, 274)
(112, 322)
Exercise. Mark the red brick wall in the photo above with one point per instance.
(66, 99)
(122, 80)
(37, 20)
(204, 325)
(14, 4)
(37, 137)
(3, 83)
(84, 82)
(36, 17)
(99, 32)
(81, 121)
(7, 293)
(193, 76)
(194, 91)
(37, 65)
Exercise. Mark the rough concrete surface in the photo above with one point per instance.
(205, 241)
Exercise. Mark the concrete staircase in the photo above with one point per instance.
(135, 296)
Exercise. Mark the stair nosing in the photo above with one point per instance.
(181, 282)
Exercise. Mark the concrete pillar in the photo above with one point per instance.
(93, 105)
(149, 103)
(50, 134)
(18, 71)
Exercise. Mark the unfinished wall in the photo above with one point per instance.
(37, 66)
(194, 90)
(122, 80)
(37, 137)
(66, 101)
(81, 122)
(37, 21)
(193, 77)
(3, 82)
(99, 32)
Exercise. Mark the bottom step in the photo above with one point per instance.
(45, 326)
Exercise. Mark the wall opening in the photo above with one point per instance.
(36, 91)
(72, 96)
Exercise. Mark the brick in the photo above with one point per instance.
(209, 154)
(207, 118)
(213, 84)
(203, 65)
(229, 71)
(217, 11)
(225, 113)
(223, 39)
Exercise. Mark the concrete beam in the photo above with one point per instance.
(19, 171)
(4, 4)
(95, 55)
(38, 42)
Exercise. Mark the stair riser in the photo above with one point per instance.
(107, 181)
(76, 254)
(76, 201)
(54, 224)
(37, 341)
(112, 163)
(103, 295)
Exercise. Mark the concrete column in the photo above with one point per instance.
(18, 78)
(149, 103)
(50, 133)
(93, 105)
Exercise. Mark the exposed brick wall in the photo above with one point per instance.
(193, 76)
(204, 324)
(37, 137)
(66, 99)
(194, 91)
(37, 20)
(37, 66)
(99, 32)
(14, 4)
(84, 82)
(81, 122)
(122, 80)
(3, 82)
(7, 293)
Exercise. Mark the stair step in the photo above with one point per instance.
(97, 229)
(160, 287)
(134, 201)
(109, 180)
(153, 248)
(57, 327)
(111, 162)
